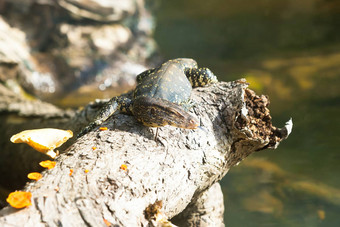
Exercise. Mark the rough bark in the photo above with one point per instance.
(179, 168)
(207, 210)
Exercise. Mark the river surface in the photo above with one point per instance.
(290, 51)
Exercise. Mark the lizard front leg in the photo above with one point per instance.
(119, 103)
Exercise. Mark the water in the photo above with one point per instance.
(289, 50)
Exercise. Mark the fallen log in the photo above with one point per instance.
(124, 176)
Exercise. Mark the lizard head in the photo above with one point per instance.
(155, 112)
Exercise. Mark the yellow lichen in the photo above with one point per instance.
(103, 128)
(123, 167)
(47, 164)
(34, 176)
(19, 199)
(43, 140)
(107, 223)
(71, 172)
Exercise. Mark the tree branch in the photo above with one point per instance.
(177, 168)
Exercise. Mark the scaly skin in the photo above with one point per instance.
(154, 112)
(159, 96)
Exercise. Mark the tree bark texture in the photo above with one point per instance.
(181, 168)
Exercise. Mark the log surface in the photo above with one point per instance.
(178, 168)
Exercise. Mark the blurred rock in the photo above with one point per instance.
(104, 11)
(53, 48)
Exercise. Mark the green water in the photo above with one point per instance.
(289, 50)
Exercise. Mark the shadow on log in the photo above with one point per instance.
(181, 168)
